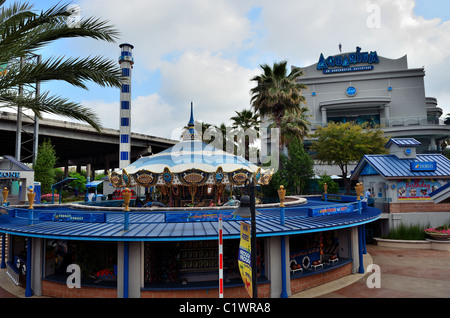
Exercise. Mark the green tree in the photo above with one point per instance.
(294, 125)
(344, 143)
(79, 183)
(333, 186)
(277, 92)
(299, 167)
(278, 178)
(44, 171)
(246, 121)
(23, 31)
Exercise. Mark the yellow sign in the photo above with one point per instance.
(244, 259)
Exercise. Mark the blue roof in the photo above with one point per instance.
(390, 166)
(403, 142)
(94, 184)
(154, 226)
(19, 164)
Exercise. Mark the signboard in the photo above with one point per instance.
(9, 174)
(72, 217)
(186, 216)
(330, 210)
(343, 63)
(244, 259)
(419, 189)
(423, 166)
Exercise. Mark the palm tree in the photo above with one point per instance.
(23, 31)
(294, 125)
(277, 92)
(246, 120)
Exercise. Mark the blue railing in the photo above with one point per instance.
(65, 214)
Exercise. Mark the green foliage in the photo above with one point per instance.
(407, 232)
(344, 143)
(333, 187)
(44, 171)
(278, 178)
(80, 183)
(296, 173)
(23, 31)
(298, 167)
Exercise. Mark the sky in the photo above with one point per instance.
(207, 51)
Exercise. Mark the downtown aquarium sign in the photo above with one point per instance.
(348, 62)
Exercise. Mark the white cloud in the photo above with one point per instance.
(150, 115)
(207, 51)
(161, 27)
(215, 85)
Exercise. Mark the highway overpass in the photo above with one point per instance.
(76, 144)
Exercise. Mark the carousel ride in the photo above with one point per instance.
(191, 173)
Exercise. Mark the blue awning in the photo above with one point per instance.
(153, 225)
(94, 184)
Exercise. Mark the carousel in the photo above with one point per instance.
(191, 173)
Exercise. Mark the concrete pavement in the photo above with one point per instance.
(404, 273)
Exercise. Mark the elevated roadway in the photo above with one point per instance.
(77, 144)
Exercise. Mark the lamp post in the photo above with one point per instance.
(245, 210)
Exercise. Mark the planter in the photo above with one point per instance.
(403, 243)
(438, 236)
(443, 245)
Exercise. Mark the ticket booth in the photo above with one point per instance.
(16, 177)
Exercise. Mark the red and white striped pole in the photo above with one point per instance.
(220, 259)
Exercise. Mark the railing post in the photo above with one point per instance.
(126, 199)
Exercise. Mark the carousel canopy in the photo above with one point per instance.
(190, 162)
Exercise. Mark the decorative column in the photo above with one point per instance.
(387, 117)
(126, 64)
(324, 116)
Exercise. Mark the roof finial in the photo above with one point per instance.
(191, 120)
(191, 133)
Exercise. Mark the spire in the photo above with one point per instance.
(191, 133)
(191, 123)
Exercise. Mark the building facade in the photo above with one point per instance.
(363, 87)
(402, 183)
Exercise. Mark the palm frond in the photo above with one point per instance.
(75, 71)
(51, 105)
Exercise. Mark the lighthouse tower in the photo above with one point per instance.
(126, 64)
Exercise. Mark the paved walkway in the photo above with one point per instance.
(405, 273)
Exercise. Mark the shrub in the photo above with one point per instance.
(407, 232)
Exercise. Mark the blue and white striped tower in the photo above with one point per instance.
(126, 64)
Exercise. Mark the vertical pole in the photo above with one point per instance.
(253, 239)
(282, 216)
(126, 266)
(3, 264)
(19, 119)
(364, 238)
(28, 291)
(126, 64)
(360, 251)
(36, 118)
(220, 259)
(283, 268)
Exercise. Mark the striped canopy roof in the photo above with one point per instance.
(190, 162)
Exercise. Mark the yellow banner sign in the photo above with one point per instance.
(244, 259)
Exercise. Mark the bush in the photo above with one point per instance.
(48, 197)
(407, 232)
